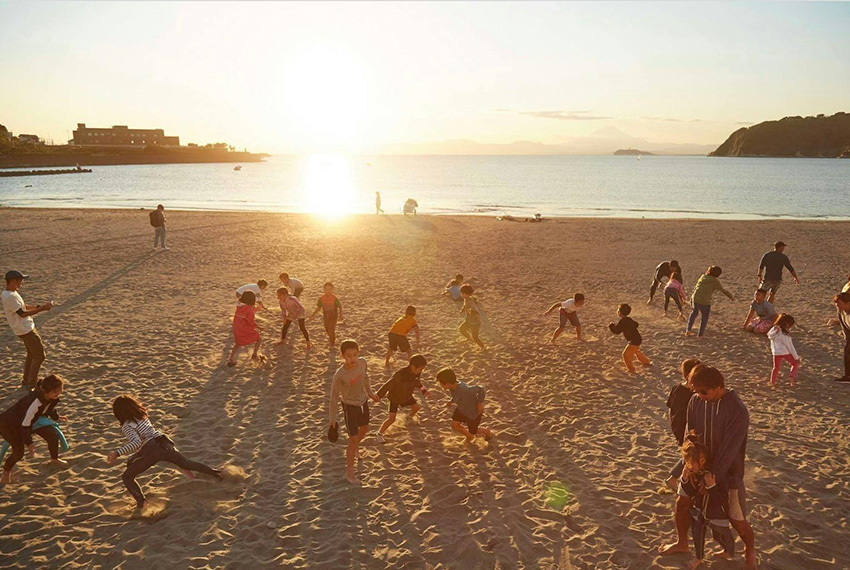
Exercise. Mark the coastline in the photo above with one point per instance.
(581, 447)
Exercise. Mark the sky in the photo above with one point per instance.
(367, 77)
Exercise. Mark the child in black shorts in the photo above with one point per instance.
(399, 391)
(470, 405)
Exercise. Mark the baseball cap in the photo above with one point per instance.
(13, 274)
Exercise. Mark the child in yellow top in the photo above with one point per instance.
(398, 334)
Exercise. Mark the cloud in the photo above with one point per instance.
(564, 115)
(744, 123)
(673, 120)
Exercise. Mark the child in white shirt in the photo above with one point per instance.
(782, 347)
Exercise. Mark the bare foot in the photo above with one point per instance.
(694, 564)
(750, 561)
(722, 554)
(632, 371)
(470, 438)
(352, 479)
(231, 363)
(649, 302)
(278, 343)
(488, 435)
(58, 462)
(689, 333)
(6, 478)
(646, 363)
(674, 548)
(187, 473)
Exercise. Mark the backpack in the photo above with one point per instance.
(155, 219)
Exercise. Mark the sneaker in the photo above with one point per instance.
(380, 438)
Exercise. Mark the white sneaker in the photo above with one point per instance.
(380, 438)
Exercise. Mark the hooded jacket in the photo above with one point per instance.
(722, 425)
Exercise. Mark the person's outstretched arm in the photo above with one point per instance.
(334, 401)
(749, 317)
(552, 308)
(790, 268)
(725, 292)
(416, 332)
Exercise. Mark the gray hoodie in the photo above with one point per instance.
(723, 426)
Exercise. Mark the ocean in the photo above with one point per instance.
(598, 186)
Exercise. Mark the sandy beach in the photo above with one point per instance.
(572, 478)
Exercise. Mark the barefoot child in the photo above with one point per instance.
(331, 311)
(709, 500)
(701, 298)
(676, 291)
(149, 446)
(351, 385)
(246, 331)
(568, 312)
(761, 316)
(398, 334)
(677, 402)
(16, 423)
(399, 391)
(782, 348)
(472, 316)
(629, 328)
(453, 287)
(255, 288)
(470, 405)
(291, 309)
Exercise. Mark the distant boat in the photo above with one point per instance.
(237, 168)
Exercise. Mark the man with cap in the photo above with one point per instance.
(770, 269)
(19, 315)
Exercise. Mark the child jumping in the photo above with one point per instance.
(629, 328)
(470, 405)
(568, 312)
(472, 316)
(16, 424)
(331, 311)
(397, 336)
(291, 309)
(676, 291)
(351, 385)
(399, 391)
(149, 446)
(709, 499)
(782, 347)
(246, 331)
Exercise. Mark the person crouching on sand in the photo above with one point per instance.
(629, 328)
(782, 348)
(397, 337)
(149, 446)
(246, 331)
(399, 391)
(703, 291)
(291, 309)
(351, 385)
(674, 290)
(470, 405)
(568, 312)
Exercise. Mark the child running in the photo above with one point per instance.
(246, 331)
(291, 309)
(399, 391)
(676, 291)
(149, 446)
(471, 325)
(331, 311)
(16, 423)
(703, 291)
(351, 385)
(677, 402)
(629, 328)
(782, 348)
(470, 405)
(710, 509)
(397, 336)
(568, 312)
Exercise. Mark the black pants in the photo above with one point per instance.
(301, 326)
(672, 295)
(656, 281)
(48, 434)
(154, 451)
(847, 359)
(16, 440)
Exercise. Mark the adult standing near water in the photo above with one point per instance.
(378, 209)
(158, 223)
(663, 271)
(19, 315)
(842, 305)
(770, 269)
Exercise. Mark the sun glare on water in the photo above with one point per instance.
(328, 186)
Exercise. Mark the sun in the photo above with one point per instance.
(327, 185)
(325, 96)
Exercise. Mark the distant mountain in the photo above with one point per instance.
(804, 137)
(632, 152)
(604, 141)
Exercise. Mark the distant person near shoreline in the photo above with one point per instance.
(158, 223)
(20, 315)
(378, 209)
(770, 270)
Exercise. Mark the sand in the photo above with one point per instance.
(571, 479)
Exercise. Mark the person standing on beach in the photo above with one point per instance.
(770, 269)
(782, 347)
(664, 270)
(351, 385)
(471, 309)
(246, 331)
(721, 421)
(842, 306)
(701, 297)
(20, 318)
(291, 309)
(397, 337)
(293, 284)
(158, 223)
(331, 309)
(568, 312)
(378, 209)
